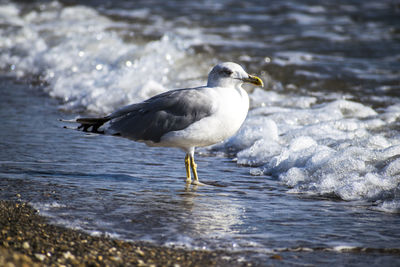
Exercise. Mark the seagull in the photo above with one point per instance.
(184, 118)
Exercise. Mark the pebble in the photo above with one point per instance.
(40, 257)
(68, 255)
(26, 245)
(138, 251)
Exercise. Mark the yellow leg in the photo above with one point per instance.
(194, 169)
(187, 166)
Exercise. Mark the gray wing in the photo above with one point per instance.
(170, 111)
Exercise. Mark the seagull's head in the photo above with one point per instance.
(229, 74)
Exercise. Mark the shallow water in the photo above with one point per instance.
(314, 171)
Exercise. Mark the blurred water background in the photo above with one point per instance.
(313, 174)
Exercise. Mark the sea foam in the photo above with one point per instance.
(338, 148)
(85, 63)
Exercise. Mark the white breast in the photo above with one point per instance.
(230, 110)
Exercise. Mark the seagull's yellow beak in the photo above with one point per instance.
(254, 80)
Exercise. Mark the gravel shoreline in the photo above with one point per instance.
(27, 239)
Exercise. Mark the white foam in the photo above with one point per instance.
(337, 148)
(390, 206)
(262, 98)
(305, 19)
(344, 248)
(45, 207)
(392, 113)
(86, 64)
(293, 58)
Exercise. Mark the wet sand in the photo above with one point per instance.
(27, 239)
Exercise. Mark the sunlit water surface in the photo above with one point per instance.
(313, 174)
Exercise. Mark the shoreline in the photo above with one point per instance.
(28, 239)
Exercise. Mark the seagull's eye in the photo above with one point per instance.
(226, 72)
